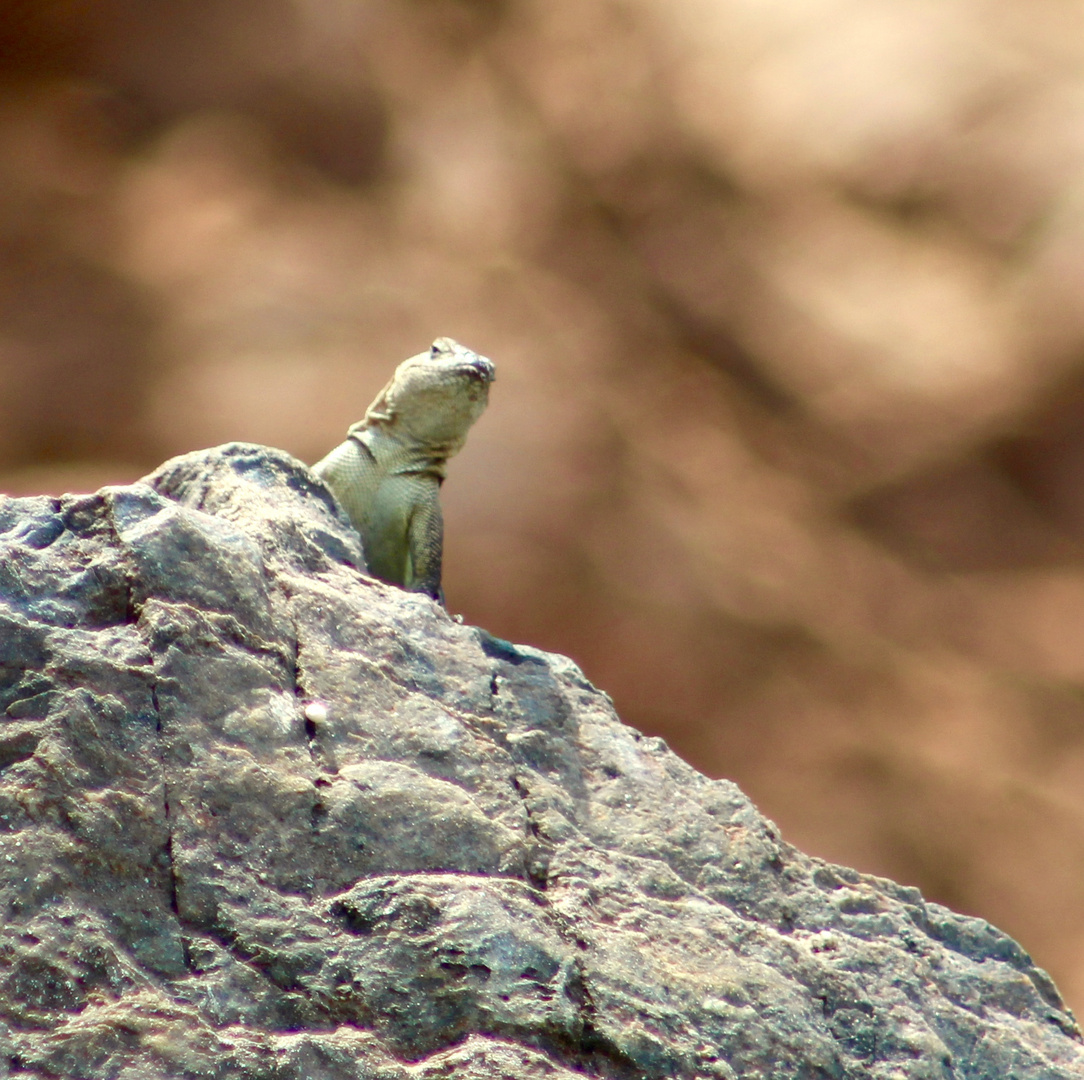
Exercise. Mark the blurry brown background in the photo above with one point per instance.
(787, 300)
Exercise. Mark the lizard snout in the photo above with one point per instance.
(480, 369)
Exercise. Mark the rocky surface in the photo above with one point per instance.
(264, 817)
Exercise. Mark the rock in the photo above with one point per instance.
(263, 816)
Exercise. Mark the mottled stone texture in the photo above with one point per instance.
(467, 865)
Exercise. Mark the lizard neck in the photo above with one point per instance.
(397, 453)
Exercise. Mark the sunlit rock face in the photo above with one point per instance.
(788, 448)
(263, 816)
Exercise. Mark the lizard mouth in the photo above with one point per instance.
(478, 372)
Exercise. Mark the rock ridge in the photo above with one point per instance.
(263, 816)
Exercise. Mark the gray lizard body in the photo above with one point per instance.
(388, 472)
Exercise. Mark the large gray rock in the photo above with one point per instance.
(463, 864)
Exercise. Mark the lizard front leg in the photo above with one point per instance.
(425, 541)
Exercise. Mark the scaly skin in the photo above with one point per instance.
(388, 472)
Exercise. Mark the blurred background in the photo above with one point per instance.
(787, 302)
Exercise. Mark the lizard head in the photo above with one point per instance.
(434, 398)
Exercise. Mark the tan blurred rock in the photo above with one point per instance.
(788, 444)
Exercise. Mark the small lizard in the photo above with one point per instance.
(388, 472)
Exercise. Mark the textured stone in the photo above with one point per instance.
(459, 862)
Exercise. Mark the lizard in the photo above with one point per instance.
(387, 474)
